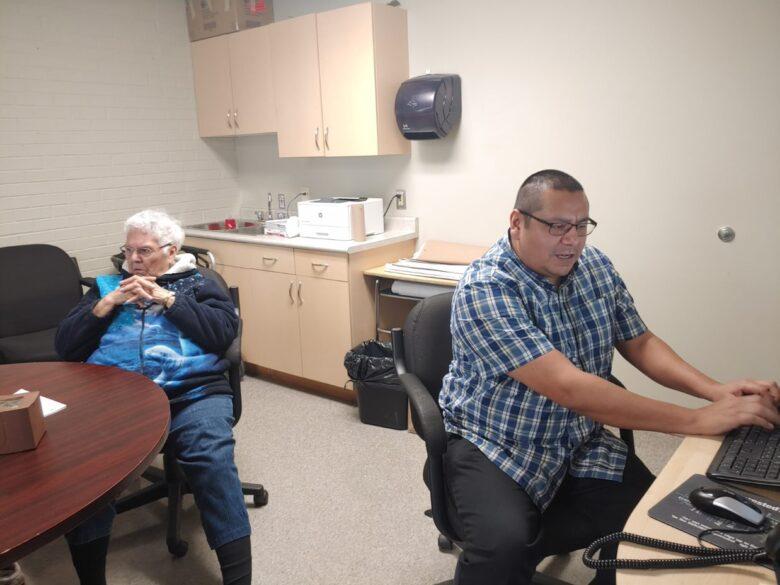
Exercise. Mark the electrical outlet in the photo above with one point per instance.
(282, 203)
(400, 199)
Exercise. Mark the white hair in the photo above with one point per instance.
(159, 224)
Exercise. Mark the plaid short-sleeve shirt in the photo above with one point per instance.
(504, 315)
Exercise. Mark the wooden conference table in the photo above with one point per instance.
(112, 428)
(692, 456)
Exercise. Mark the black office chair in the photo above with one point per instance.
(422, 352)
(40, 285)
(169, 481)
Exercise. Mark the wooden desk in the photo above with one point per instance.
(114, 425)
(692, 456)
(380, 273)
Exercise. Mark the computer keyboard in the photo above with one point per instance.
(748, 455)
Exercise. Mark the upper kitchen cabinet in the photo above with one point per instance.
(335, 77)
(233, 88)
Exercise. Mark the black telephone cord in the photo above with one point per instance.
(702, 556)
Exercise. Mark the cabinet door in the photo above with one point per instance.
(250, 72)
(323, 310)
(213, 94)
(296, 81)
(346, 51)
(274, 335)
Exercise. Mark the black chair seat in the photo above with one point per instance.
(37, 346)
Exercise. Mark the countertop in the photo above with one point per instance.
(397, 229)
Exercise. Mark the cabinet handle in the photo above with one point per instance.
(292, 300)
(235, 118)
(228, 120)
(322, 265)
(327, 146)
(270, 259)
(317, 138)
(300, 298)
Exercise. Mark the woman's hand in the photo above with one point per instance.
(140, 290)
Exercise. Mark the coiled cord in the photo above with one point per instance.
(701, 556)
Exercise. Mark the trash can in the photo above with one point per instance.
(381, 398)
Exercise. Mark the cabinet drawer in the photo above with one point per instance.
(270, 258)
(332, 266)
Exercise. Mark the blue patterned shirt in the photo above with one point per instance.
(504, 315)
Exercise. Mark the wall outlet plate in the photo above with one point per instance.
(400, 200)
(282, 202)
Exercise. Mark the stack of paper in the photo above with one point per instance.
(414, 267)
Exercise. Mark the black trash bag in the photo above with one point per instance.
(371, 361)
(382, 400)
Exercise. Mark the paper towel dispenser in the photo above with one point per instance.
(428, 106)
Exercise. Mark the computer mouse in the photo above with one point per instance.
(726, 504)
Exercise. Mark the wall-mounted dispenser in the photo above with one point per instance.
(428, 106)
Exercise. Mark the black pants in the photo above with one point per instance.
(505, 535)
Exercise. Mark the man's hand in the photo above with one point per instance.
(746, 387)
(733, 410)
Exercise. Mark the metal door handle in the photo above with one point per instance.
(228, 120)
(319, 265)
(270, 259)
(327, 130)
(292, 300)
(235, 118)
(300, 298)
(317, 138)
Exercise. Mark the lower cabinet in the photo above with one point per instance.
(301, 312)
(323, 315)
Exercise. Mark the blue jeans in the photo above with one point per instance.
(201, 440)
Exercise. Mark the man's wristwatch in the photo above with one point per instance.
(169, 300)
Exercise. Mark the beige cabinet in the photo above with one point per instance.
(302, 309)
(233, 83)
(335, 75)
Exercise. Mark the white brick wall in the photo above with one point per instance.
(97, 121)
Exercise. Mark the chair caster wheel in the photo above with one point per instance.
(445, 544)
(260, 499)
(178, 548)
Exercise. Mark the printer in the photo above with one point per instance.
(331, 217)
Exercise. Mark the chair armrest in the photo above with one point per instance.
(426, 415)
(626, 434)
(87, 281)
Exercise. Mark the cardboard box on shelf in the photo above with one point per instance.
(210, 18)
(254, 13)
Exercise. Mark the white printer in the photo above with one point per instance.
(330, 218)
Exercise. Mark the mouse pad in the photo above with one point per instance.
(677, 511)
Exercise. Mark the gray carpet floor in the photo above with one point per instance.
(345, 508)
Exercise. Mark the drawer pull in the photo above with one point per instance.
(292, 300)
(319, 265)
(270, 259)
(300, 298)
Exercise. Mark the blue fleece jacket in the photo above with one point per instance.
(180, 348)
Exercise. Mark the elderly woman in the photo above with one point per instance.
(163, 319)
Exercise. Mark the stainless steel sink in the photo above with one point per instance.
(242, 226)
(254, 230)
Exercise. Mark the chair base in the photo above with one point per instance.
(169, 483)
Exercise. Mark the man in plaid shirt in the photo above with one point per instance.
(530, 469)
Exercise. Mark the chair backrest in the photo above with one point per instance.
(40, 284)
(233, 353)
(428, 341)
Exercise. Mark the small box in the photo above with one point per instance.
(21, 422)
(210, 18)
(254, 13)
